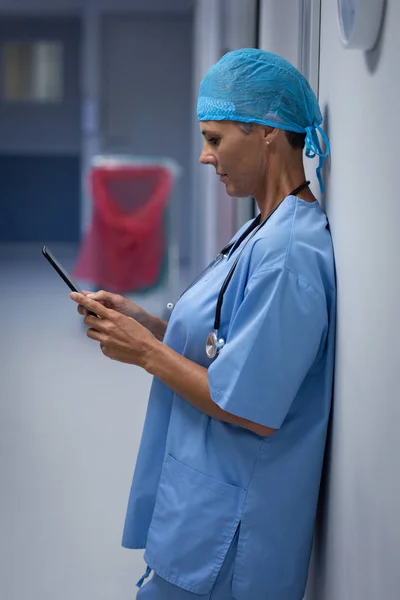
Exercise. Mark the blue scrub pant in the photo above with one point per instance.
(159, 589)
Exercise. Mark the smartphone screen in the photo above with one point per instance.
(62, 273)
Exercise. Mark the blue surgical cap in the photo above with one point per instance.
(254, 86)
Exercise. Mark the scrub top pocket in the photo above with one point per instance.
(194, 521)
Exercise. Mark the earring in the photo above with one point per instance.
(268, 142)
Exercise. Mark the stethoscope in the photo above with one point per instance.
(214, 342)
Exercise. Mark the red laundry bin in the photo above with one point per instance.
(125, 246)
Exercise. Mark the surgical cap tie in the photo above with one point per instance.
(313, 148)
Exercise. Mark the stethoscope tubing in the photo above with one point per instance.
(214, 343)
(217, 320)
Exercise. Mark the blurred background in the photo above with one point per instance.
(99, 147)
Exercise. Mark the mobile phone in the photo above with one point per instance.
(62, 273)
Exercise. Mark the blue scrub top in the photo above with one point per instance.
(198, 480)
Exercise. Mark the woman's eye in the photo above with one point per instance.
(214, 141)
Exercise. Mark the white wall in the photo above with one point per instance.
(206, 51)
(290, 28)
(358, 539)
(280, 28)
(358, 532)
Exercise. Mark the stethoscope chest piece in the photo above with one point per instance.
(214, 344)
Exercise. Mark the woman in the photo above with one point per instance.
(226, 482)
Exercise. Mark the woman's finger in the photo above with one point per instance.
(89, 304)
(93, 295)
(95, 323)
(101, 296)
(93, 334)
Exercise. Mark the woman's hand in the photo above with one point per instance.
(121, 337)
(124, 339)
(124, 306)
(116, 302)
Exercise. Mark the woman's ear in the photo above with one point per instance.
(270, 134)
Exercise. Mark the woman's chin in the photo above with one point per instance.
(233, 190)
(230, 189)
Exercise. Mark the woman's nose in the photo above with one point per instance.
(207, 158)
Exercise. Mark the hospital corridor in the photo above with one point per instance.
(76, 436)
(105, 447)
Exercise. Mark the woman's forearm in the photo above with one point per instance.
(189, 380)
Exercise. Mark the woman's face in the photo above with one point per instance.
(239, 158)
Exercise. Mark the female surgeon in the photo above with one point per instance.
(225, 489)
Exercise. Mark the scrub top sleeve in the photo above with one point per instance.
(271, 344)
